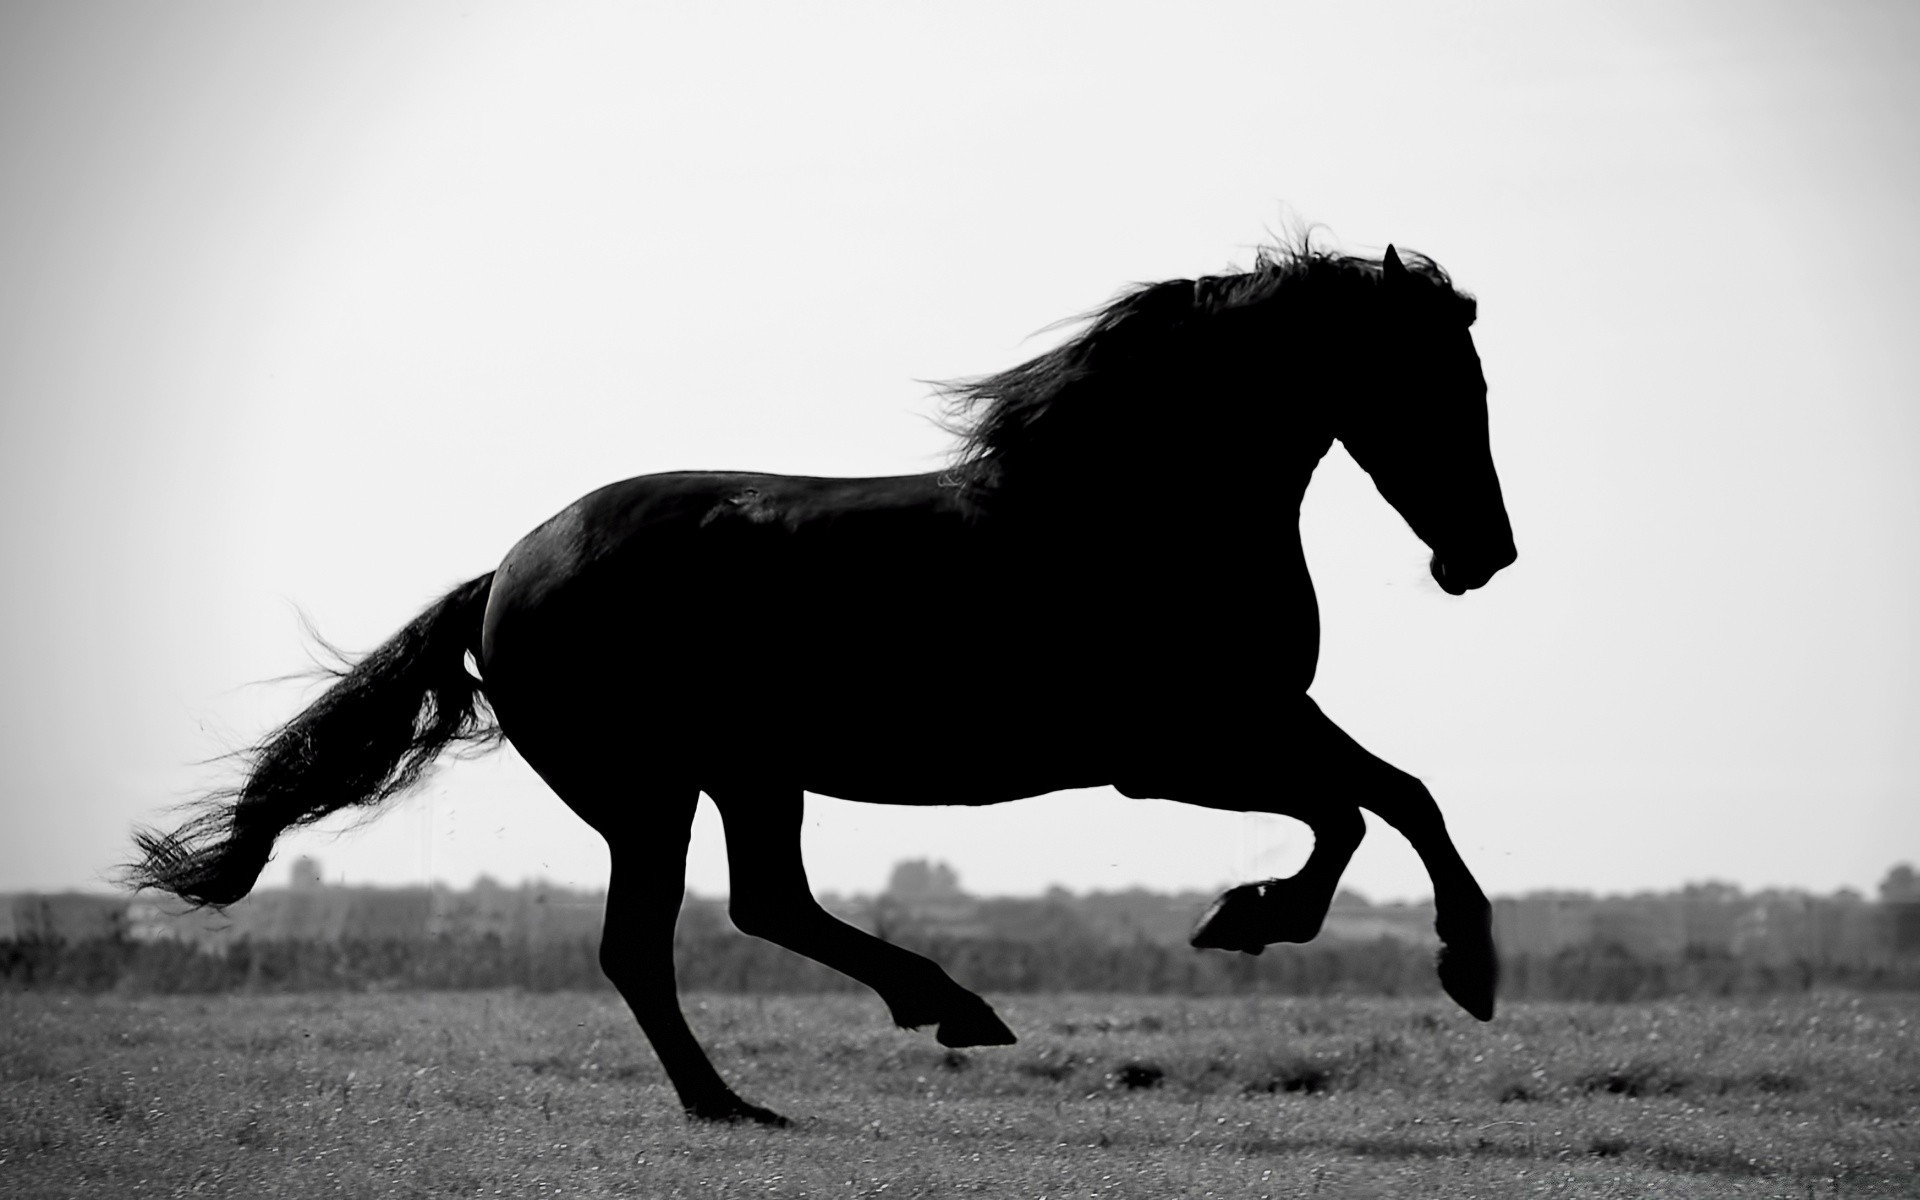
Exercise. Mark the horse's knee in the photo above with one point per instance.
(1404, 802)
(762, 916)
(1340, 831)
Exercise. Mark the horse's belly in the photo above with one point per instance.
(942, 776)
(927, 744)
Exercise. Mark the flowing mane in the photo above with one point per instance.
(1130, 348)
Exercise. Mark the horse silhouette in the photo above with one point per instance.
(1106, 588)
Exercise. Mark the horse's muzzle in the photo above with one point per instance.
(1457, 575)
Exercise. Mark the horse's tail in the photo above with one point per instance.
(371, 735)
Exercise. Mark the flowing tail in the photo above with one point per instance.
(371, 735)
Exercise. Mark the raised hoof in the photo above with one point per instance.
(1252, 916)
(973, 1024)
(1470, 972)
(1228, 922)
(734, 1111)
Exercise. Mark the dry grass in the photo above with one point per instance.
(482, 1094)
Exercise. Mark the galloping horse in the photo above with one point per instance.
(1107, 587)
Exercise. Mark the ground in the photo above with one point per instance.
(482, 1094)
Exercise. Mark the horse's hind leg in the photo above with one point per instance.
(636, 952)
(647, 831)
(771, 899)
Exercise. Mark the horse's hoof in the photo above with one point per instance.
(734, 1111)
(1253, 916)
(973, 1024)
(1470, 972)
(1232, 921)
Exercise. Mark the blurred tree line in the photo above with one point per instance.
(1707, 940)
(730, 962)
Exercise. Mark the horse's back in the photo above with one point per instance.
(699, 583)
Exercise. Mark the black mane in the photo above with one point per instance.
(1126, 346)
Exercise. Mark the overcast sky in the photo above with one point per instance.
(321, 307)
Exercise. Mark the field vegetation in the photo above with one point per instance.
(518, 1094)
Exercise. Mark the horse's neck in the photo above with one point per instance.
(1161, 516)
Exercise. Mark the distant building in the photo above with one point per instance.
(305, 875)
(919, 879)
(1900, 903)
(926, 895)
(1901, 886)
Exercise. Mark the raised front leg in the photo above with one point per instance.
(1217, 773)
(771, 899)
(1297, 763)
(1253, 916)
(1469, 966)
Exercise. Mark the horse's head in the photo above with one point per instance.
(1416, 420)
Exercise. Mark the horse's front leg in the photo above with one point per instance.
(1253, 916)
(771, 899)
(1469, 967)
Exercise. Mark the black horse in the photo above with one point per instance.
(1106, 588)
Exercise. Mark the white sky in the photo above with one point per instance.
(326, 305)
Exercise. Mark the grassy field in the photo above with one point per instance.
(484, 1094)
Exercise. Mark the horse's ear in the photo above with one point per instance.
(1392, 270)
